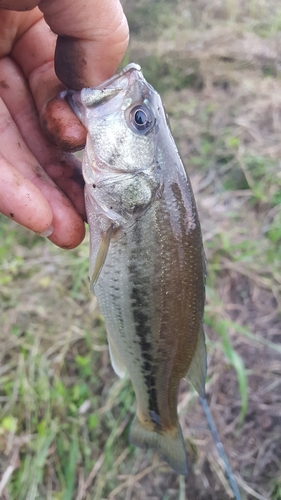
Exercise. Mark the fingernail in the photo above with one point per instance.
(47, 233)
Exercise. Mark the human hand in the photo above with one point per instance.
(41, 186)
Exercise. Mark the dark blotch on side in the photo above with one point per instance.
(140, 303)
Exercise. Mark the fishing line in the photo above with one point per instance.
(220, 448)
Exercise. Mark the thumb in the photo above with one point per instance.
(90, 46)
(92, 39)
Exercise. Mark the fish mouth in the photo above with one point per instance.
(95, 96)
(127, 72)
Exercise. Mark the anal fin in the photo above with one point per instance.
(196, 373)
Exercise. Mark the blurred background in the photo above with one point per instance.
(64, 415)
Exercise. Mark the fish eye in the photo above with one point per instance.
(141, 118)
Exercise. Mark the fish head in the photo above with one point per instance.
(122, 117)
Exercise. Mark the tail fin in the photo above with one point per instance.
(170, 445)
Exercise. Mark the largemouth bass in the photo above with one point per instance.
(147, 265)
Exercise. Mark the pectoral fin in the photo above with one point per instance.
(116, 361)
(196, 373)
(101, 255)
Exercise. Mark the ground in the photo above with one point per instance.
(64, 415)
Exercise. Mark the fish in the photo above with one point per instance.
(147, 262)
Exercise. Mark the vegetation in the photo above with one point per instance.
(64, 415)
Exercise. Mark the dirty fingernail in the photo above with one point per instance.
(47, 233)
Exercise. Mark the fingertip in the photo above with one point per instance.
(43, 209)
(67, 175)
(22, 201)
(91, 41)
(69, 229)
(62, 126)
(68, 234)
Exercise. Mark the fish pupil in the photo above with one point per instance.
(140, 117)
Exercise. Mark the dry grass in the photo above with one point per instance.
(64, 416)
